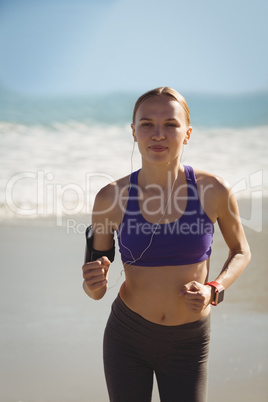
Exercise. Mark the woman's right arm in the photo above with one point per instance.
(95, 273)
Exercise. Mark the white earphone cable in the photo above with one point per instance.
(131, 262)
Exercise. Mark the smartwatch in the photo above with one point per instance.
(219, 292)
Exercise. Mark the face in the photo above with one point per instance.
(161, 129)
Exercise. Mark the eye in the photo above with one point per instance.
(171, 124)
(146, 124)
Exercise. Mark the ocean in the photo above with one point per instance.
(56, 153)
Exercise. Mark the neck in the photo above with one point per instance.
(159, 174)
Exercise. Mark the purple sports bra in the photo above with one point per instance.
(185, 241)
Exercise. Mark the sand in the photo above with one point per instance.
(51, 332)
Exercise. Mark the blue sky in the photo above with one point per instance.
(73, 47)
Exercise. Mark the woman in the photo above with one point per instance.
(164, 216)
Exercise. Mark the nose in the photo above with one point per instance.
(158, 134)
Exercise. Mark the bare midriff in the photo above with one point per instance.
(153, 292)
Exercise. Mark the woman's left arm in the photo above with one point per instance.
(234, 236)
(199, 296)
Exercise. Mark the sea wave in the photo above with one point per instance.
(57, 170)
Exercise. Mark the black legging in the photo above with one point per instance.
(135, 348)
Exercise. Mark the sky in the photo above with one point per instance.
(80, 47)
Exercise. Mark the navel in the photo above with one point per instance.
(163, 318)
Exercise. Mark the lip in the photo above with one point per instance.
(157, 148)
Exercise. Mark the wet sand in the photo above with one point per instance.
(51, 332)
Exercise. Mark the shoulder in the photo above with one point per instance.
(214, 192)
(212, 182)
(112, 190)
(108, 199)
(107, 213)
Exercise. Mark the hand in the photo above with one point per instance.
(196, 296)
(95, 274)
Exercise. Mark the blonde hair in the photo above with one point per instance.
(163, 91)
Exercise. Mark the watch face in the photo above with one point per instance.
(220, 296)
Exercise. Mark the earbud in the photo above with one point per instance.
(187, 136)
(186, 139)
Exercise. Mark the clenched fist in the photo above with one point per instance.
(95, 276)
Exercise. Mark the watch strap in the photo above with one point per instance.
(219, 288)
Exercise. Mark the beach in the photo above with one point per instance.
(55, 155)
(51, 332)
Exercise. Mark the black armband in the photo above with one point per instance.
(91, 254)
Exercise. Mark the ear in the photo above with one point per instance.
(133, 132)
(187, 135)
